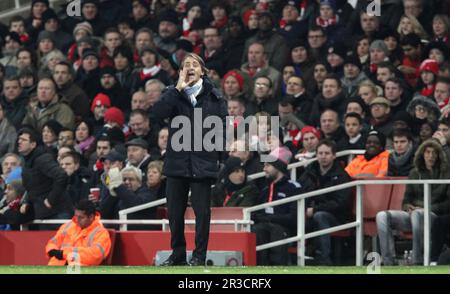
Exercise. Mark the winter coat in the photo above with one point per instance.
(111, 205)
(8, 137)
(78, 185)
(61, 112)
(440, 194)
(190, 163)
(15, 110)
(246, 196)
(284, 215)
(91, 245)
(337, 203)
(320, 104)
(76, 98)
(43, 178)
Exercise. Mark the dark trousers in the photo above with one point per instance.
(269, 232)
(323, 220)
(439, 233)
(177, 190)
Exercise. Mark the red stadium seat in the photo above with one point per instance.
(112, 235)
(217, 213)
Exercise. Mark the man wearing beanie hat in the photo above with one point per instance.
(278, 222)
(229, 82)
(83, 26)
(310, 137)
(52, 25)
(168, 31)
(232, 188)
(114, 117)
(374, 163)
(111, 87)
(353, 75)
(11, 46)
(327, 210)
(99, 106)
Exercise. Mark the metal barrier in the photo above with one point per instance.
(19, 8)
(357, 224)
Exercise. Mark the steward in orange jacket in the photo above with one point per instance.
(374, 163)
(82, 241)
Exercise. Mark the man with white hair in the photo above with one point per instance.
(126, 190)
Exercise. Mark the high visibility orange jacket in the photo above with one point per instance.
(376, 167)
(87, 246)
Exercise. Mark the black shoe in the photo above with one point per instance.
(195, 261)
(172, 261)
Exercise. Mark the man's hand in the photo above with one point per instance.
(183, 81)
(309, 212)
(409, 208)
(23, 208)
(440, 136)
(56, 253)
(47, 204)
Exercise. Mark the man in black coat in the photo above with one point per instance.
(187, 166)
(330, 209)
(44, 180)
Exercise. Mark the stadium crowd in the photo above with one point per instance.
(78, 96)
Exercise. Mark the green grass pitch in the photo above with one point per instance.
(222, 270)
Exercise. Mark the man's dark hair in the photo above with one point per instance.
(35, 137)
(286, 101)
(237, 99)
(16, 18)
(126, 52)
(411, 39)
(332, 76)
(445, 121)
(329, 143)
(69, 67)
(267, 78)
(11, 79)
(104, 138)
(74, 155)
(402, 132)
(355, 115)
(397, 81)
(388, 65)
(443, 80)
(140, 112)
(317, 28)
(87, 206)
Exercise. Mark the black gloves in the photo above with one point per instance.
(56, 253)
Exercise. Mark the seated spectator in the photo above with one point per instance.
(159, 152)
(232, 188)
(277, 222)
(401, 158)
(8, 134)
(354, 137)
(83, 138)
(138, 156)
(427, 130)
(330, 209)
(428, 73)
(83, 241)
(10, 214)
(156, 181)
(329, 125)
(380, 110)
(368, 91)
(79, 177)
(125, 190)
(310, 139)
(66, 138)
(50, 133)
(422, 109)
(430, 162)
(374, 163)
(9, 162)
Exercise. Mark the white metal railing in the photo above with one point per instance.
(292, 167)
(123, 214)
(239, 224)
(301, 237)
(20, 9)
